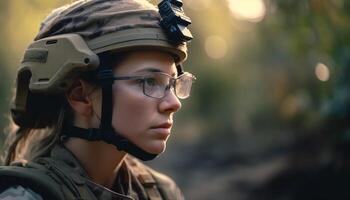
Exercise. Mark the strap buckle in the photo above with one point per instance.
(105, 76)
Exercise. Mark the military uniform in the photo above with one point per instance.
(73, 41)
(19, 192)
(61, 172)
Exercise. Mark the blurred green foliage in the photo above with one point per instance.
(257, 77)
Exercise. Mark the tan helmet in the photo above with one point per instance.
(78, 39)
(70, 39)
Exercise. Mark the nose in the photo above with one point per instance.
(170, 103)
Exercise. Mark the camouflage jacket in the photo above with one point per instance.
(60, 176)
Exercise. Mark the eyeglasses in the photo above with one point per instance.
(157, 84)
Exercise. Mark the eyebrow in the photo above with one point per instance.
(154, 70)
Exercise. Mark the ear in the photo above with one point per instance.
(78, 98)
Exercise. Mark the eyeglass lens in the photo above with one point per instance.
(158, 84)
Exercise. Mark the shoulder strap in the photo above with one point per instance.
(74, 183)
(145, 178)
(47, 178)
(36, 179)
(167, 187)
(157, 186)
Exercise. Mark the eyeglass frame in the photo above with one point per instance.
(172, 82)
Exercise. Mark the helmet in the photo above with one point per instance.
(70, 42)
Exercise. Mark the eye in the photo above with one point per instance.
(150, 81)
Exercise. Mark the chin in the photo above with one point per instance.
(157, 148)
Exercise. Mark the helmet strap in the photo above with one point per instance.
(180, 69)
(106, 132)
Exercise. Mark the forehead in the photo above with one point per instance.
(139, 61)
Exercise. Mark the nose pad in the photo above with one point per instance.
(169, 90)
(170, 87)
(170, 102)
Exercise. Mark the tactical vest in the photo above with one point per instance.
(58, 179)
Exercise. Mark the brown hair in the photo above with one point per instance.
(52, 114)
(27, 143)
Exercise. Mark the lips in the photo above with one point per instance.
(165, 125)
(162, 131)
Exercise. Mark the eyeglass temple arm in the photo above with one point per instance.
(125, 78)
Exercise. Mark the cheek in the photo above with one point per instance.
(132, 111)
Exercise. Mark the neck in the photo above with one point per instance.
(100, 160)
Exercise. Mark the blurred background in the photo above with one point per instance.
(268, 114)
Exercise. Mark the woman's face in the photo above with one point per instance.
(144, 120)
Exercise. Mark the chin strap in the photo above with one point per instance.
(106, 132)
(110, 137)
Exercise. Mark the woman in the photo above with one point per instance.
(98, 86)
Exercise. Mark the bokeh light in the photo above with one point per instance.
(197, 5)
(249, 10)
(215, 47)
(322, 72)
(258, 102)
